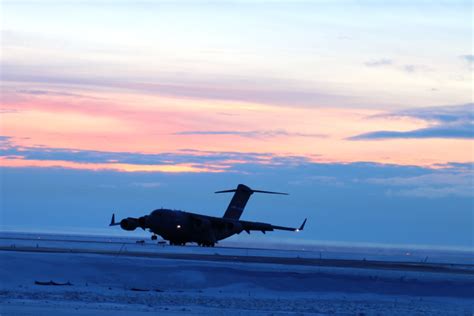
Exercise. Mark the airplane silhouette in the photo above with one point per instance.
(181, 227)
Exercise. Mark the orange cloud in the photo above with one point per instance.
(6, 162)
(128, 122)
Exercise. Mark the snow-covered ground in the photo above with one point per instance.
(116, 277)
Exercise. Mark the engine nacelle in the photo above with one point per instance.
(228, 226)
(129, 223)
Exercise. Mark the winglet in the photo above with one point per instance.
(302, 226)
(112, 222)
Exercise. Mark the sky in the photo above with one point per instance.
(361, 110)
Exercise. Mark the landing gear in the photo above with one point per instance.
(177, 243)
(154, 237)
(206, 244)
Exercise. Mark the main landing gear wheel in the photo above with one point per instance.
(154, 237)
(206, 244)
(177, 243)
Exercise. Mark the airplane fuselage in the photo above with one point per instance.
(180, 227)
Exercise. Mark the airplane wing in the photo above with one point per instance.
(264, 227)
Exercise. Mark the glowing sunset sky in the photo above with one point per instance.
(210, 87)
(286, 79)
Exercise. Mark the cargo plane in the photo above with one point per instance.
(179, 227)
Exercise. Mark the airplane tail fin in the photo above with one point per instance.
(240, 199)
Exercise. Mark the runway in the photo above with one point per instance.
(115, 246)
(105, 275)
(336, 263)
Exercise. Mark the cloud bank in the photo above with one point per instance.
(197, 158)
(447, 122)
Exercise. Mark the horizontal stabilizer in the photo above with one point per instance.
(252, 191)
(269, 192)
(240, 199)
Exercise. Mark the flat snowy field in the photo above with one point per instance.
(114, 276)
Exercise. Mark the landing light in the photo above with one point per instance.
(178, 226)
(297, 230)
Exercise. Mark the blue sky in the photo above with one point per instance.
(360, 202)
